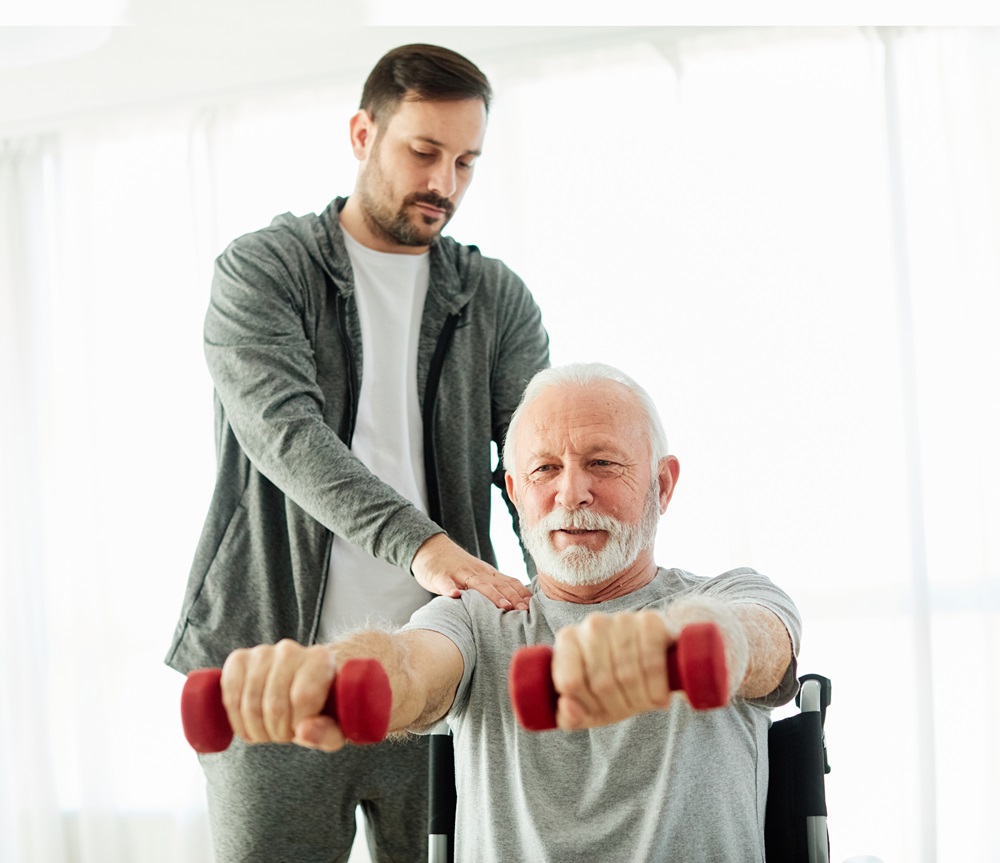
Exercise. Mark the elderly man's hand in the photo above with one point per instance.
(275, 694)
(442, 567)
(611, 667)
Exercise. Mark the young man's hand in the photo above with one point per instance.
(442, 567)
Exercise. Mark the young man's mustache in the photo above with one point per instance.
(433, 200)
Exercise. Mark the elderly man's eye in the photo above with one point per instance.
(542, 470)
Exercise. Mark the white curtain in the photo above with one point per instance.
(30, 824)
(790, 237)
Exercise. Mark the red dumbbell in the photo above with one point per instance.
(360, 701)
(696, 663)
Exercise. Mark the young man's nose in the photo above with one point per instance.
(443, 180)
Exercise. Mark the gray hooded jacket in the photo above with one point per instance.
(283, 345)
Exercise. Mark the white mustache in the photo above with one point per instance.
(578, 519)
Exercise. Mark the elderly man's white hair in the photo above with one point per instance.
(583, 374)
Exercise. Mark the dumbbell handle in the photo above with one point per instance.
(359, 701)
(696, 664)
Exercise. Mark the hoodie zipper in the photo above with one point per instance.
(430, 397)
(353, 384)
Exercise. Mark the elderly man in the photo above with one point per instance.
(641, 776)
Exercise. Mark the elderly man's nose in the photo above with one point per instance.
(574, 489)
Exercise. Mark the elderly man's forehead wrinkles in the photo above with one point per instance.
(573, 421)
(574, 418)
(585, 435)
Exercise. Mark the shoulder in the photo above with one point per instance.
(479, 271)
(450, 617)
(286, 236)
(730, 580)
(745, 585)
(284, 259)
(742, 584)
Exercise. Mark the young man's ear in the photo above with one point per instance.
(669, 471)
(362, 134)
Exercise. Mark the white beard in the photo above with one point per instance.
(577, 565)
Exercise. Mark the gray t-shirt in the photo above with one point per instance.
(674, 785)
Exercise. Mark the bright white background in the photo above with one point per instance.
(789, 236)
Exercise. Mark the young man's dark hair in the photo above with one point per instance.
(431, 73)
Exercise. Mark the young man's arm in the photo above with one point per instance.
(262, 360)
(274, 693)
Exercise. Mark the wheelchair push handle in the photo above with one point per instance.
(696, 664)
(359, 701)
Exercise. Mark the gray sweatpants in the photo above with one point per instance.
(273, 803)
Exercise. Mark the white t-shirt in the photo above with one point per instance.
(390, 290)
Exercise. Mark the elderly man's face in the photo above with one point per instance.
(582, 481)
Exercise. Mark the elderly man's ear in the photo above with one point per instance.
(508, 479)
(669, 471)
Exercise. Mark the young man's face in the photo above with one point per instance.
(415, 168)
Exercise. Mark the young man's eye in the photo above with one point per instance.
(422, 155)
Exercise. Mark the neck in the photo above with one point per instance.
(638, 574)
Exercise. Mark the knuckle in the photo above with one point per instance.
(304, 697)
(569, 682)
(285, 648)
(231, 700)
(596, 625)
(630, 675)
(274, 707)
(259, 655)
(661, 700)
(253, 722)
(238, 656)
(566, 638)
(651, 623)
(654, 666)
(603, 684)
(235, 663)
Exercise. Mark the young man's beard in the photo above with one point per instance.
(397, 226)
(577, 565)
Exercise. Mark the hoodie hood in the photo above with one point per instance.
(456, 269)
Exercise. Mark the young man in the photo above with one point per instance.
(644, 777)
(362, 365)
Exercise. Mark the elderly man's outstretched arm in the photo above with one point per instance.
(613, 666)
(275, 693)
(606, 669)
